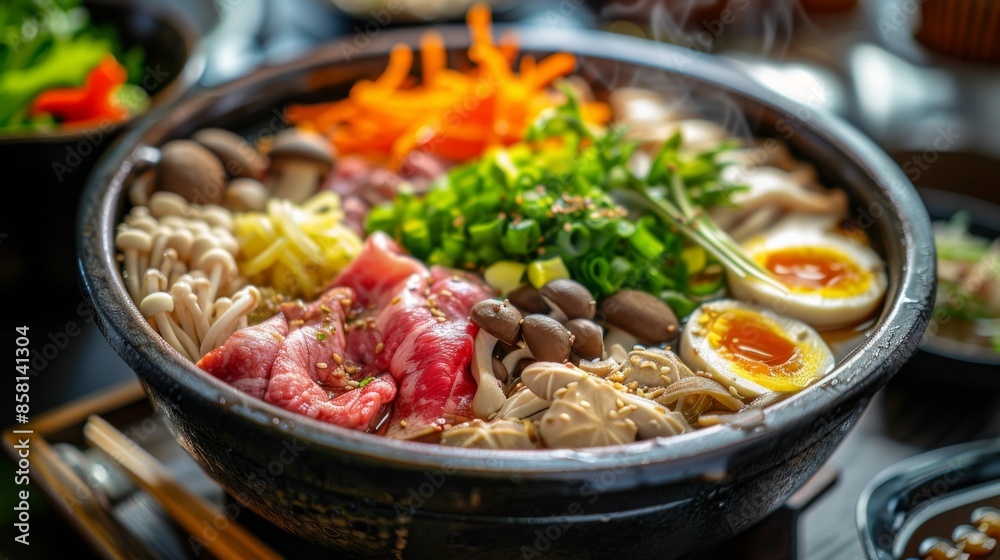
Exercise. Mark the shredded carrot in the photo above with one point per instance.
(453, 114)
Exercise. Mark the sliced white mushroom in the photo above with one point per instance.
(586, 413)
(523, 404)
(500, 434)
(653, 367)
(652, 420)
(546, 378)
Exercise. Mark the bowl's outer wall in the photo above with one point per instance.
(370, 495)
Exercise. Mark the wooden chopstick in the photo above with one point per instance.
(191, 511)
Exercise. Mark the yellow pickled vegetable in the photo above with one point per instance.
(295, 249)
(541, 272)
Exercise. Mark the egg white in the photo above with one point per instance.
(823, 311)
(698, 352)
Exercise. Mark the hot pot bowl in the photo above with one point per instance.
(370, 496)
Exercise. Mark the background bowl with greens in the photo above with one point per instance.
(55, 44)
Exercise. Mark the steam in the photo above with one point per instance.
(761, 29)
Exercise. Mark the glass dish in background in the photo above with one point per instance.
(928, 496)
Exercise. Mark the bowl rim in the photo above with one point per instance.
(184, 81)
(894, 337)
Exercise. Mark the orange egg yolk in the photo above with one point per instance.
(822, 270)
(758, 349)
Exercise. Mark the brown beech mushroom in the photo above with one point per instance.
(300, 161)
(499, 434)
(588, 338)
(547, 339)
(571, 297)
(499, 318)
(142, 187)
(527, 299)
(238, 157)
(642, 315)
(246, 195)
(188, 169)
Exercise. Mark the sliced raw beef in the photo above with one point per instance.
(425, 333)
(377, 271)
(386, 313)
(295, 360)
(245, 360)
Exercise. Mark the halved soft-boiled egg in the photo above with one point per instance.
(753, 350)
(831, 281)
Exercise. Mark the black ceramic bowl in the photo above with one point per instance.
(373, 496)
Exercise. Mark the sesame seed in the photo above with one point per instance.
(402, 423)
(441, 319)
(446, 293)
(351, 369)
(324, 308)
(394, 301)
(321, 365)
(379, 347)
(337, 358)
